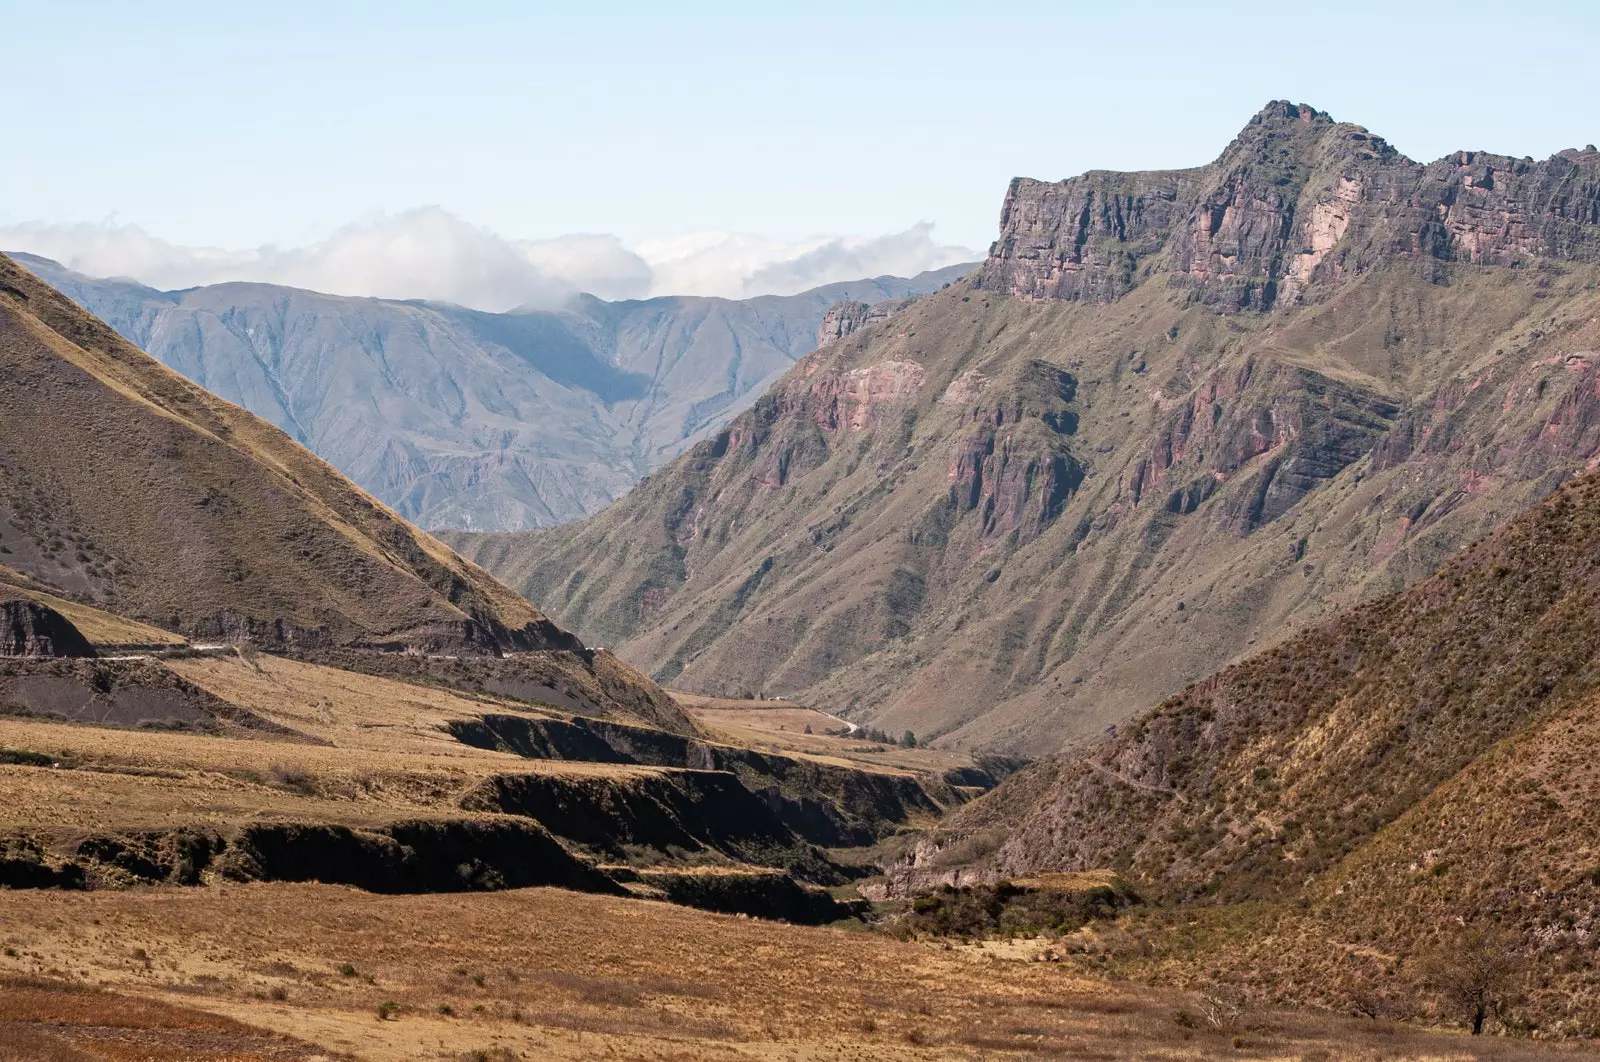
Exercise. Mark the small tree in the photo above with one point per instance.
(908, 740)
(1474, 973)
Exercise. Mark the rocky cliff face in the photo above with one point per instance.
(30, 629)
(1175, 417)
(846, 318)
(1296, 196)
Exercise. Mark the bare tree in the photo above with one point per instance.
(1474, 972)
(1221, 1005)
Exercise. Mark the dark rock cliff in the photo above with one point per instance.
(30, 629)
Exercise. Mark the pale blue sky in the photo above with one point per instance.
(234, 125)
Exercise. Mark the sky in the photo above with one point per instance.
(497, 152)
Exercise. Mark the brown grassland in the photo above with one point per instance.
(548, 974)
(780, 726)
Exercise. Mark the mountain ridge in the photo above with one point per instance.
(1007, 520)
(172, 534)
(461, 418)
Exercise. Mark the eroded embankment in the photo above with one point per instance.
(427, 855)
(422, 855)
(673, 813)
(825, 804)
(757, 893)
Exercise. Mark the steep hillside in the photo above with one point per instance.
(1176, 416)
(1412, 779)
(123, 485)
(457, 418)
(1272, 770)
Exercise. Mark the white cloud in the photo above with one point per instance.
(739, 265)
(429, 253)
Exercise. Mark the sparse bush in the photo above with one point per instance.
(446, 1009)
(278, 994)
(388, 1009)
(293, 779)
(1474, 973)
(347, 969)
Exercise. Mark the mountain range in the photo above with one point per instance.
(458, 418)
(1174, 418)
(1259, 502)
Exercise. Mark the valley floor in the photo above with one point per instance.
(285, 971)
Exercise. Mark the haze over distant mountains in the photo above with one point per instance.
(430, 253)
(459, 418)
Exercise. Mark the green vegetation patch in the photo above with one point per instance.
(1008, 909)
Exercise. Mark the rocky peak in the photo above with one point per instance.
(1295, 198)
(28, 628)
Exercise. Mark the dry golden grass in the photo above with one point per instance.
(701, 701)
(47, 1020)
(776, 726)
(385, 754)
(102, 629)
(545, 974)
(355, 711)
(214, 519)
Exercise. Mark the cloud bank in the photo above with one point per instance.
(429, 253)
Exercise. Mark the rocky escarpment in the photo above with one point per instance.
(1295, 197)
(28, 628)
(823, 803)
(1308, 426)
(424, 855)
(1010, 463)
(846, 318)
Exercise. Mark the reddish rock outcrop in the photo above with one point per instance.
(843, 401)
(1296, 195)
(1308, 426)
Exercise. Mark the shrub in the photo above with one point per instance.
(1474, 973)
(388, 1009)
(292, 779)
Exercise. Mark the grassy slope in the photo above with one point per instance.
(129, 487)
(1342, 804)
(796, 557)
(545, 975)
(1268, 773)
(104, 630)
